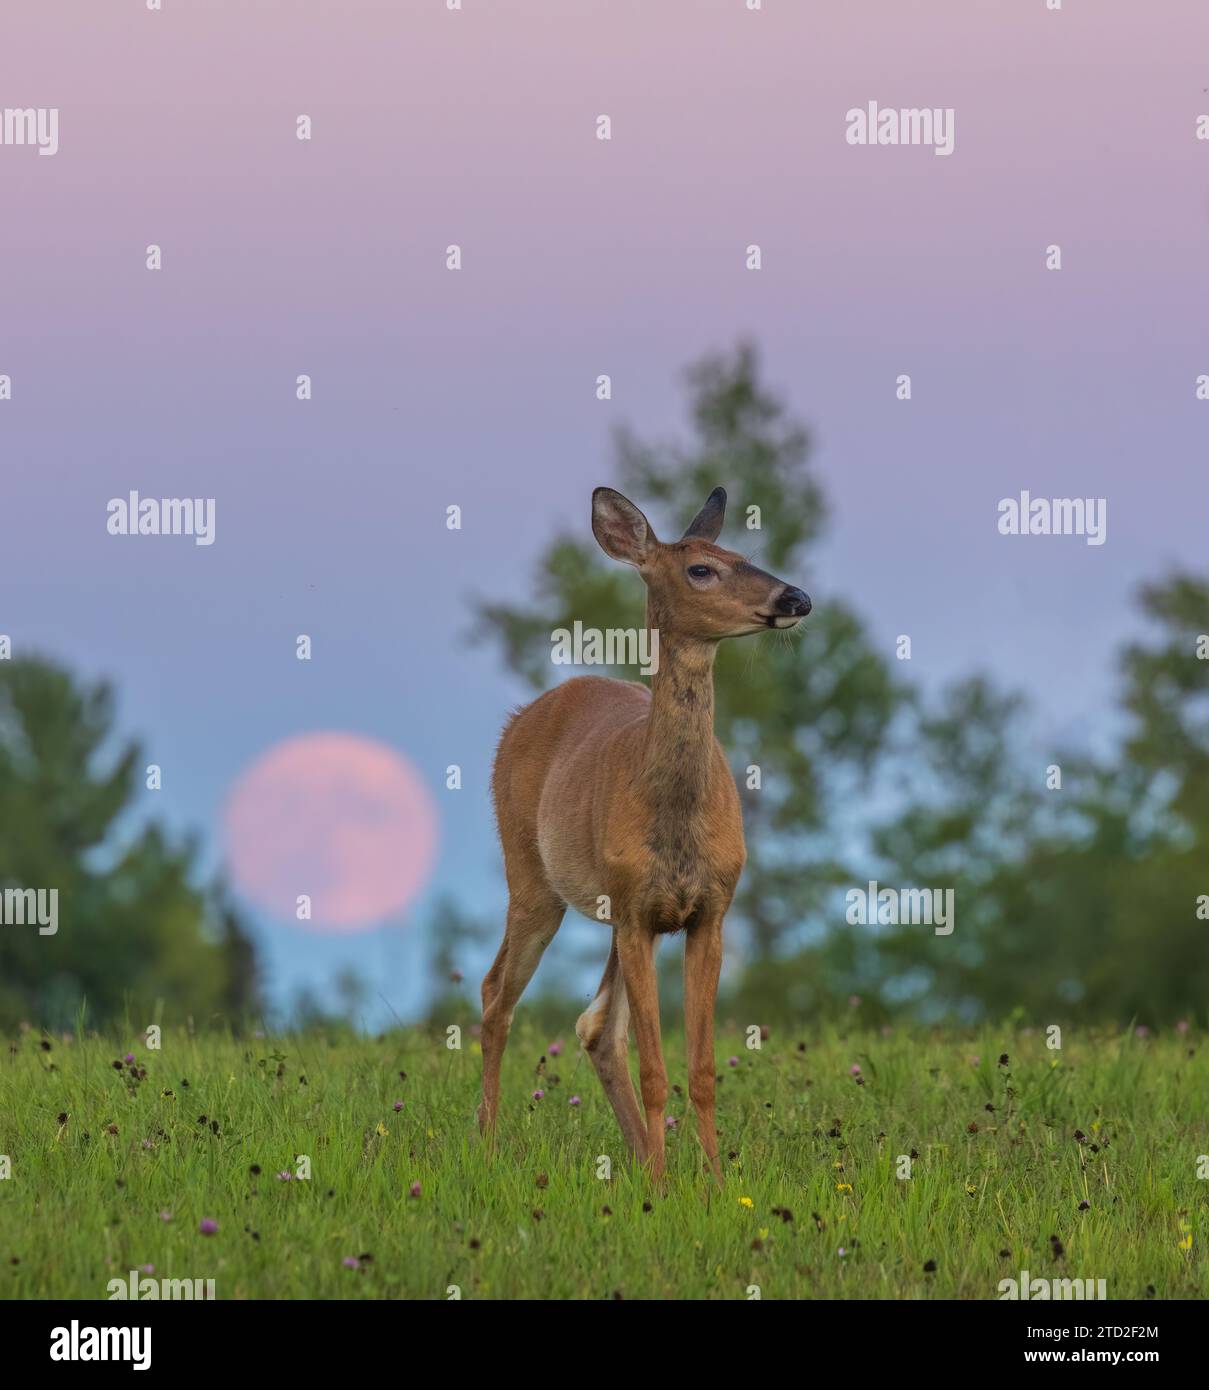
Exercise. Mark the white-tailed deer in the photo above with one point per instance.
(610, 795)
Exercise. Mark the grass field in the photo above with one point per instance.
(116, 1169)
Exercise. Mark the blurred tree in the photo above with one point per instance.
(1071, 903)
(133, 932)
(1079, 902)
(453, 936)
(809, 710)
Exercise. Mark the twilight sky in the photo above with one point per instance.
(1074, 127)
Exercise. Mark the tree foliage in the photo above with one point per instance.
(134, 933)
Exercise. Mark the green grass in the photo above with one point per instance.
(83, 1204)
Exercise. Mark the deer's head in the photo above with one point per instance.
(696, 589)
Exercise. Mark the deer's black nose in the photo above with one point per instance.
(793, 603)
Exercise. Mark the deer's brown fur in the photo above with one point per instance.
(620, 803)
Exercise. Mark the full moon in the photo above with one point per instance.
(340, 819)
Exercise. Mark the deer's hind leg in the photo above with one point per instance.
(532, 922)
(604, 1030)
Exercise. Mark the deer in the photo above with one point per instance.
(619, 802)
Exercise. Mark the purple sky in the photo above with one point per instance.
(1075, 127)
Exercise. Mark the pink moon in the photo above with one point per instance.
(343, 819)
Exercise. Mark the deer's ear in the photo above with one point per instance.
(622, 530)
(707, 524)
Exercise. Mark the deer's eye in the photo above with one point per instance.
(700, 571)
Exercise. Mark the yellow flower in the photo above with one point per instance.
(970, 1188)
(381, 1128)
(1186, 1243)
(763, 1232)
(745, 1202)
(843, 1187)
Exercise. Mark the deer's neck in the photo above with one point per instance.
(678, 753)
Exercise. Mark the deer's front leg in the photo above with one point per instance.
(636, 952)
(702, 967)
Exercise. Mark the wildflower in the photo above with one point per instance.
(555, 1049)
(165, 1216)
(129, 1057)
(414, 1190)
(349, 1262)
(398, 1105)
(208, 1227)
(746, 1202)
(147, 1269)
(854, 1070)
(574, 1100)
(843, 1187)
(671, 1122)
(381, 1130)
(285, 1176)
(539, 1094)
(732, 1061)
